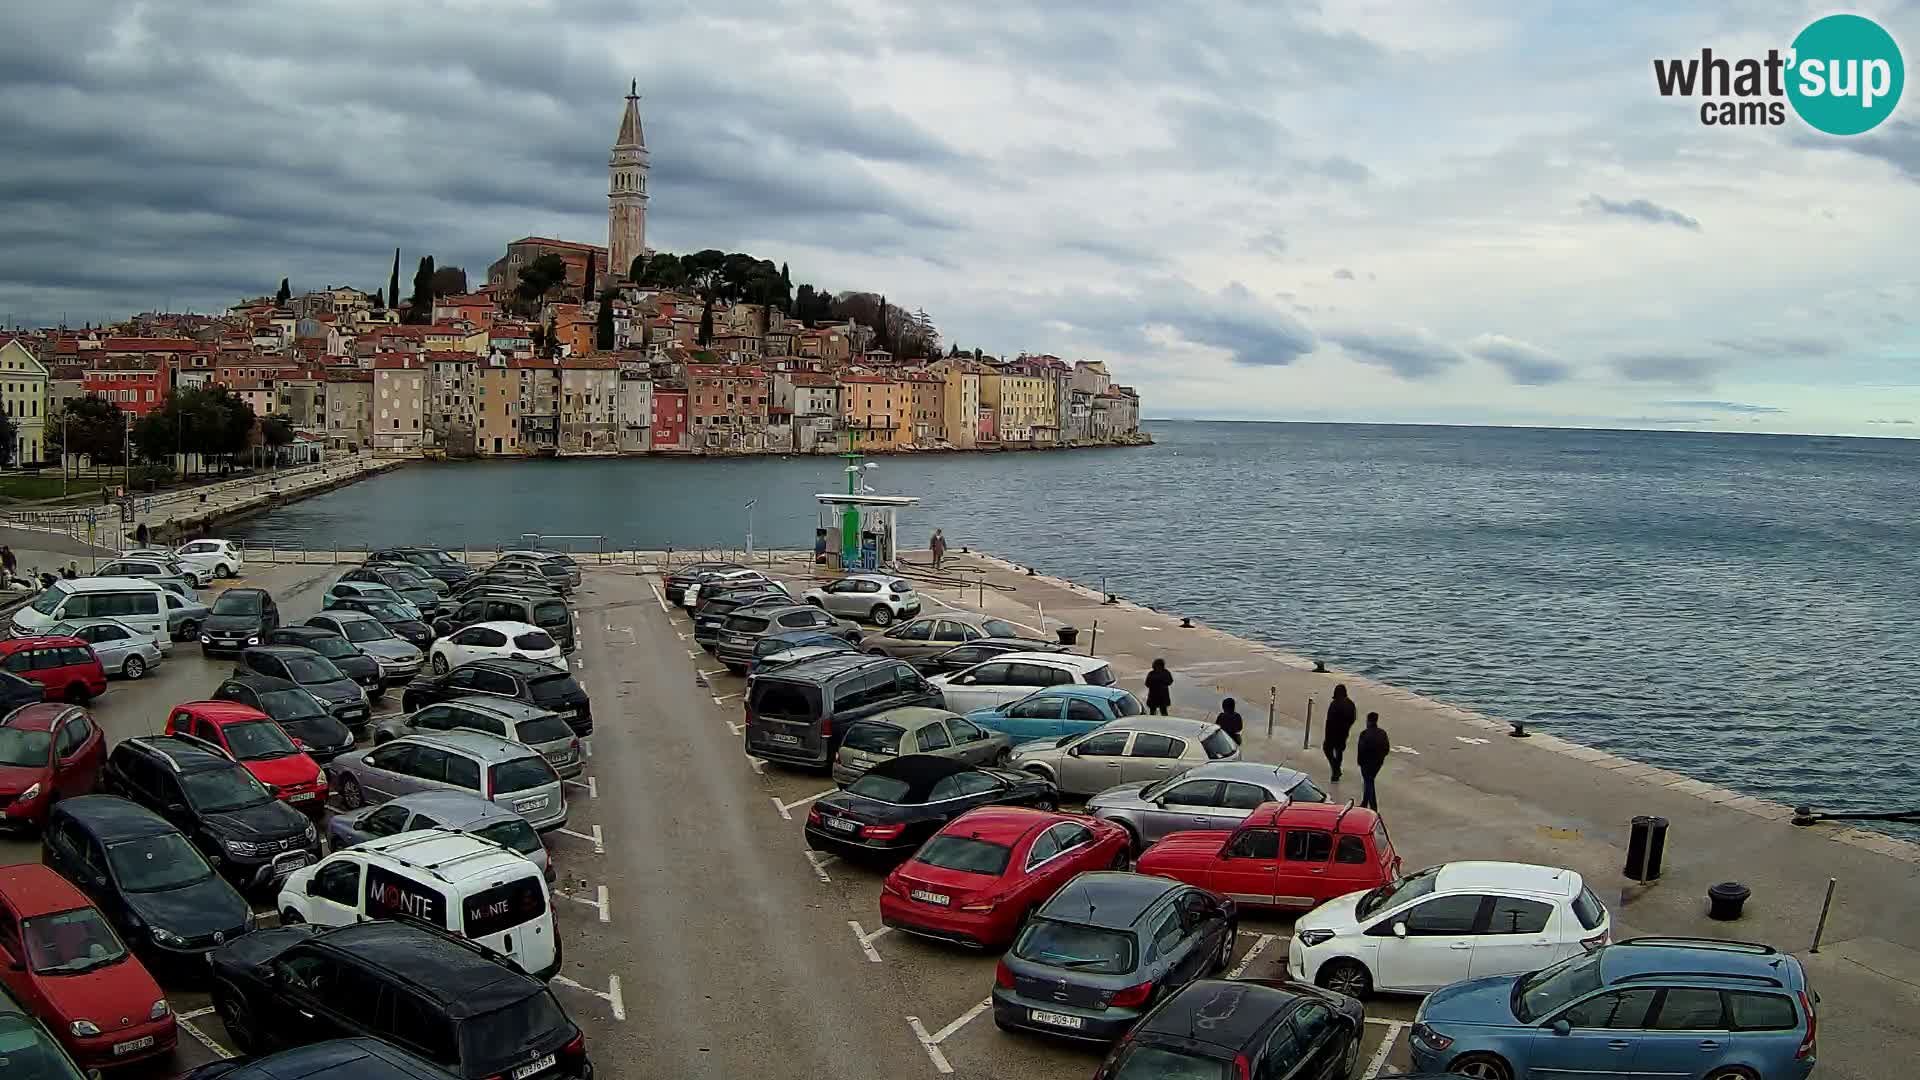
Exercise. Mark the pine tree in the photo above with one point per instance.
(603, 326)
(379, 298)
(393, 282)
(421, 310)
(286, 293)
(706, 322)
(586, 286)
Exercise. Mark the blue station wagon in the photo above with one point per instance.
(1054, 711)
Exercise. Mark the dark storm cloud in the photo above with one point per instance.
(1896, 142)
(1233, 320)
(1528, 365)
(1778, 346)
(1408, 354)
(1666, 367)
(1720, 406)
(1642, 210)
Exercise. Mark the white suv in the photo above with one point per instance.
(212, 559)
(1455, 921)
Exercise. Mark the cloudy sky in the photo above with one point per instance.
(1442, 211)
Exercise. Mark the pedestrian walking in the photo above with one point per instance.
(938, 545)
(140, 534)
(1340, 717)
(9, 561)
(1229, 721)
(1159, 688)
(1371, 752)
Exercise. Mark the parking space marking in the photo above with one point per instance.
(1471, 741)
(691, 655)
(192, 1029)
(711, 674)
(735, 726)
(787, 806)
(722, 699)
(599, 843)
(611, 996)
(680, 635)
(592, 786)
(759, 765)
(578, 663)
(819, 860)
(657, 596)
(599, 901)
(1259, 946)
(931, 1043)
(866, 940)
(1379, 1059)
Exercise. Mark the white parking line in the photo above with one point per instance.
(784, 807)
(819, 860)
(722, 699)
(578, 663)
(866, 940)
(715, 671)
(201, 1037)
(692, 655)
(1379, 1059)
(1259, 946)
(599, 901)
(932, 1042)
(657, 596)
(735, 726)
(612, 996)
(592, 786)
(599, 842)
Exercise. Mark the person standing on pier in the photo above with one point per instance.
(1229, 721)
(140, 534)
(1340, 717)
(1371, 751)
(1159, 688)
(9, 562)
(938, 545)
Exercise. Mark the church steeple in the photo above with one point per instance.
(627, 189)
(630, 133)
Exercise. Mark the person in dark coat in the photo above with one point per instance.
(1371, 751)
(140, 534)
(1229, 721)
(1340, 717)
(1159, 688)
(9, 561)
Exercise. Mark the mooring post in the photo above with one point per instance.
(1273, 696)
(1820, 930)
(1306, 736)
(1094, 639)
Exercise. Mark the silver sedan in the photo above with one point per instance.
(1215, 796)
(122, 650)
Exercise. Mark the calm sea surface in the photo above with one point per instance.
(1745, 609)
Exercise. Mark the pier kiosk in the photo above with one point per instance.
(861, 530)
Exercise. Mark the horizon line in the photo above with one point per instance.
(1538, 427)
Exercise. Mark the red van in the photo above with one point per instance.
(1284, 855)
(63, 666)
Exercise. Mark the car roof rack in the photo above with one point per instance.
(1344, 811)
(1729, 976)
(208, 745)
(1683, 942)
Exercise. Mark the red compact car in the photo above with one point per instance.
(47, 752)
(974, 881)
(60, 959)
(65, 667)
(260, 745)
(1284, 855)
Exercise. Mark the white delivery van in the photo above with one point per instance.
(136, 602)
(452, 881)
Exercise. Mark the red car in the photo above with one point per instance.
(47, 752)
(1284, 855)
(61, 960)
(260, 745)
(974, 881)
(65, 667)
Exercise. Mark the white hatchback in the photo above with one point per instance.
(212, 559)
(495, 640)
(1012, 676)
(1455, 921)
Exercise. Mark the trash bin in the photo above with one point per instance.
(1068, 634)
(1646, 848)
(1726, 899)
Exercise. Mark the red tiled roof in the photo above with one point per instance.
(396, 363)
(150, 344)
(344, 375)
(880, 379)
(813, 378)
(566, 245)
(590, 363)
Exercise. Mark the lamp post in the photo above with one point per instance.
(750, 503)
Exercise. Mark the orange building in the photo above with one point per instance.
(727, 404)
(877, 412)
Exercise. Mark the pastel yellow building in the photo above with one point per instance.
(877, 412)
(23, 394)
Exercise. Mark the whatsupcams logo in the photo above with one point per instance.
(1842, 75)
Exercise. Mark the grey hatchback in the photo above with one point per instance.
(916, 729)
(1217, 796)
(743, 630)
(518, 721)
(461, 810)
(507, 773)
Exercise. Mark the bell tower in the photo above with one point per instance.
(627, 190)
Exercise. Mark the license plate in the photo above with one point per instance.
(137, 1044)
(525, 1071)
(353, 712)
(926, 897)
(287, 864)
(1055, 1019)
(842, 824)
(790, 740)
(302, 797)
(524, 805)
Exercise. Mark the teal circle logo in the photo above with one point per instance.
(1846, 74)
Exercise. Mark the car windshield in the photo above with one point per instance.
(493, 1042)
(214, 791)
(553, 689)
(550, 613)
(1100, 676)
(543, 729)
(1000, 628)
(47, 601)
(237, 602)
(330, 646)
(290, 705)
(1144, 1061)
(521, 774)
(1394, 893)
(515, 834)
(873, 738)
(157, 863)
(357, 630)
(70, 942)
(533, 641)
(312, 669)
(1126, 705)
(386, 609)
(25, 748)
(882, 788)
(1544, 992)
(965, 854)
(1157, 787)
(29, 1054)
(1071, 945)
(258, 739)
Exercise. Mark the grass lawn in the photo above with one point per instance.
(47, 485)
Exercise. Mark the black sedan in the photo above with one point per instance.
(392, 616)
(352, 663)
(892, 809)
(304, 716)
(1273, 1028)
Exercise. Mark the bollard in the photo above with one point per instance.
(1096, 637)
(1306, 737)
(1820, 929)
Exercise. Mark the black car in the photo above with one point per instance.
(433, 560)
(146, 878)
(391, 615)
(961, 657)
(313, 673)
(675, 585)
(16, 691)
(506, 576)
(335, 1059)
(1270, 1028)
(488, 604)
(304, 716)
(713, 611)
(409, 587)
(744, 629)
(892, 809)
(557, 577)
(530, 681)
(352, 663)
(441, 997)
(396, 574)
(238, 618)
(1097, 954)
(252, 838)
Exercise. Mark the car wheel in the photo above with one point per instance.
(1223, 959)
(815, 601)
(1731, 1072)
(439, 663)
(1349, 977)
(223, 571)
(1004, 758)
(1122, 860)
(233, 1011)
(290, 917)
(1481, 1067)
(133, 668)
(351, 796)
(1350, 1061)
(76, 694)
(189, 630)
(882, 615)
(1047, 803)
(1134, 846)
(382, 738)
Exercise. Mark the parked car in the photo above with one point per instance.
(238, 618)
(260, 746)
(744, 629)
(1141, 748)
(450, 880)
(899, 803)
(65, 667)
(1446, 923)
(47, 753)
(403, 584)
(1291, 855)
(799, 714)
(462, 810)
(120, 649)
(1687, 1008)
(212, 559)
(31, 1048)
(713, 612)
(299, 714)
(560, 558)
(252, 838)
(137, 602)
(518, 721)
(184, 617)
(1217, 795)
(1012, 676)
(59, 955)
(881, 599)
(150, 882)
(930, 635)
(979, 879)
(1106, 946)
(453, 1003)
(344, 589)
(556, 576)
(394, 572)
(335, 1059)
(785, 654)
(315, 674)
(510, 774)
(403, 621)
(399, 659)
(495, 640)
(433, 560)
(675, 583)
(720, 579)
(548, 612)
(152, 568)
(353, 663)
(16, 691)
(961, 657)
(1056, 711)
(520, 680)
(1250, 1027)
(915, 729)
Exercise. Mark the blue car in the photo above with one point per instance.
(773, 644)
(1049, 713)
(1686, 1008)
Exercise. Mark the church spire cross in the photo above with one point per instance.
(633, 90)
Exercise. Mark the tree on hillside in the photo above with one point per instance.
(285, 293)
(9, 438)
(276, 432)
(586, 283)
(553, 336)
(420, 309)
(393, 282)
(603, 323)
(661, 270)
(538, 278)
(379, 298)
(449, 281)
(708, 282)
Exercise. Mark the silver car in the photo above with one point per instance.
(1216, 796)
(152, 568)
(440, 810)
(184, 616)
(916, 729)
(508, 773)
(1137, 749)
(881, 599)
(398, 658)
(518, 721)
(122, 650)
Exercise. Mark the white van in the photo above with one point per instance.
(137, 602)
(453, 881)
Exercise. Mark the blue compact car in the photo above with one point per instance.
(1686, 1008)
(1067, 709)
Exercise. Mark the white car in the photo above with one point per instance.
(876, 598)
(1012, 676)
(1455, 921)
(722, 580)
(494, 640)
(212, 559)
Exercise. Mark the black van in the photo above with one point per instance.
(799, 714)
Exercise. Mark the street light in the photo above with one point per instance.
(750, 503)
